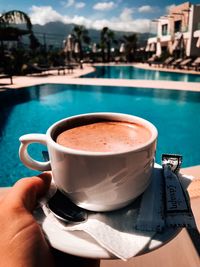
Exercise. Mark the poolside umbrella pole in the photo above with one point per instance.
(69, 47)
(198, 43)
(152, 47)
(94, 51)
(122, 50)
(147, 50)
(158, 49)
(94, 48)
(76, 48)
(178, 46)
(77, 51)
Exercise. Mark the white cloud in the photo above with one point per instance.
(104, 6)
(145, 9)
(72, 3)
(126, 14)
(139, 25)
(80, 20)
(44, 14)
(125, 22)
(80, 5)
(68, 3)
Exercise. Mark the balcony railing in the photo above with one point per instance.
(198, 26)
(185, 29)
(164, 33)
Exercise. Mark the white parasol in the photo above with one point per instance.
(69, 44)
(122, 48)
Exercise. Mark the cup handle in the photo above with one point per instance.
(28, 161)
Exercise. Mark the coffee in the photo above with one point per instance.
(88, 174)
(106, 136)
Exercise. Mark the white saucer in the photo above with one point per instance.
(79, 243)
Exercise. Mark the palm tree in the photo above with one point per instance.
(107, 37)
(80, 34)
(130, 45)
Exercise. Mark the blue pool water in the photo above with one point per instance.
(130, 72)
(176, 114)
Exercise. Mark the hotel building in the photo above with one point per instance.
(177, 31)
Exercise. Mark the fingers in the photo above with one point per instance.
(27, 191)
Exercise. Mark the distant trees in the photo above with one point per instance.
(130, 46)
(80, 34)
(106, 39)
(19, 56)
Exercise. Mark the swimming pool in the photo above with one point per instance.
(34, 109)
(130, 72)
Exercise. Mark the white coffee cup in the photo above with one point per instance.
(96, 181)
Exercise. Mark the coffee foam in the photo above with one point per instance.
(108, 136)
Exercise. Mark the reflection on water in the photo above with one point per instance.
(129, 72)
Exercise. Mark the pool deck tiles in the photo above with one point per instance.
(73, 78)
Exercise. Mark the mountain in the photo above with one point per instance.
(53, 33)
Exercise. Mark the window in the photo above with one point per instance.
(164, 29)
(177, 26)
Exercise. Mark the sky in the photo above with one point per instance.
(121, 15)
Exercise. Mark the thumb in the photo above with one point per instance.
(26, 192)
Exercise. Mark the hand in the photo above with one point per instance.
(22, 243)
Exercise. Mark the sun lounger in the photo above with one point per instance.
(185, 63)
(176, 63)
(35, 69)
(5, 76)
(196, 64)
(153, 60)
(69, 67)
(59, 69)
(117, 59)
(167, 62)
